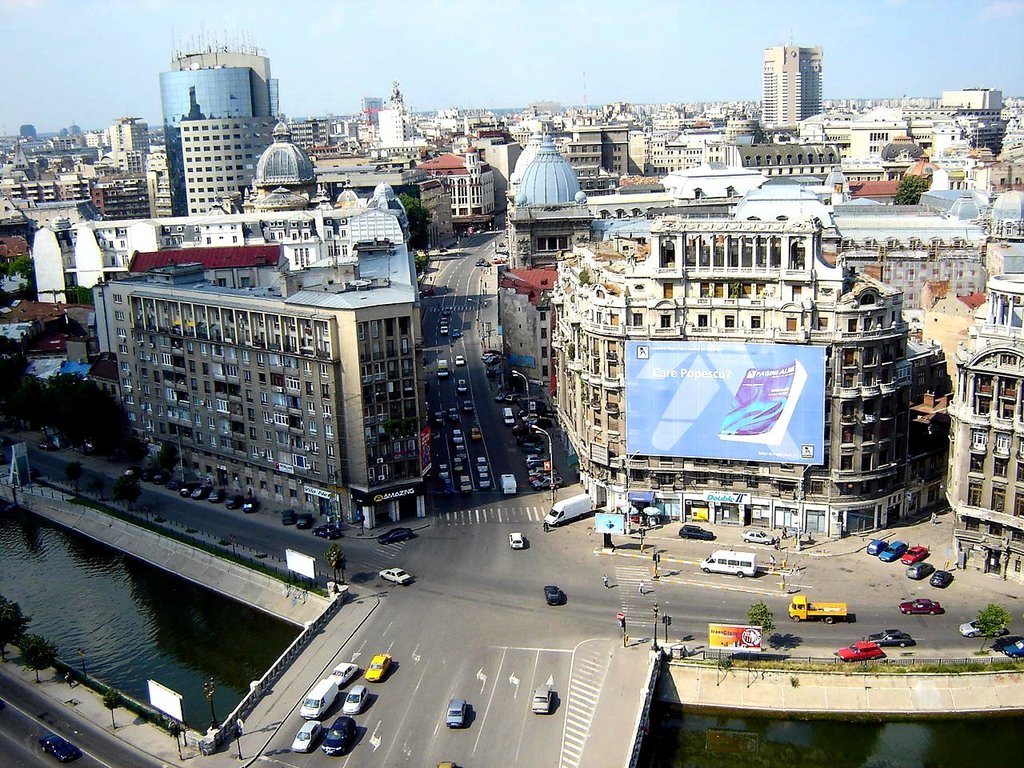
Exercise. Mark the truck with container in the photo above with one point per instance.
(802, 609)
(508, 484)
(570, 509)
(443, 372)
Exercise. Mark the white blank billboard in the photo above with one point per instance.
(166, 700)
(300, 563)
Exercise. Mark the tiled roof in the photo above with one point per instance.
(529, 280)
(447, 162)
(226, 257)
(873, 188)
(28, 311)
(105, 367)
(12, 247)
(974, 300)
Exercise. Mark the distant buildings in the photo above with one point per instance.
(470, 183)
(791, 85)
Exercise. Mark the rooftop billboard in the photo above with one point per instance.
(743, 402)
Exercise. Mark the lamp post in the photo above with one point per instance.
(81, 655)
(526, 381)
(551, 461)
(210, 688)
(654, 641)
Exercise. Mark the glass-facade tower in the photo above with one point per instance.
(211, 85)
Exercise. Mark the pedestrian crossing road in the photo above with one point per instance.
(500, 514)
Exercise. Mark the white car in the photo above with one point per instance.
(758, 537)
(355, 700)
(516, 541)
(462, 387)
(307, 737)
(460, 360)
(343, 673)
(457, 437)
(397, 575)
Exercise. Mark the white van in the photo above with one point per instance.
(508, 417)
(734, 563)
(569, 509)
(319, 699)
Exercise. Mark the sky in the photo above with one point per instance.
(89, 62)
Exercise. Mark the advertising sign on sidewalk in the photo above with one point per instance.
(738, 637)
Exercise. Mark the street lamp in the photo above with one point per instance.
(526, 381)
(81, 655)
(210, 688)
(551, 461)
(654, 641)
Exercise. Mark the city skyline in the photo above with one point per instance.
(453, 54)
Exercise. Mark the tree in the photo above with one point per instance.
(910, 190)
(73, 472)
(126, 488)
(24, 268)
(761, 615)
(991, 621)
(26, 403)
(167, 456)
(335, 558)
(96, 485)
(13, 624)
(419, 220)
(111, 700)
(134, 449)
(37, 653)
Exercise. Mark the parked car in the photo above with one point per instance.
(455, 713)
(1014, 647)
(47, 445)
(876, 547)
(288, 517)
(861, 651)
(160, 477)
(328, 531)
(396, 535)
(307, 737)
(921, 605)
(891, 637)
(60, 748)
(759, 537)
(490, 358)
(481, 262)
(914, 555)
(499, 396)
(235, 502)
(553, 595)
(250, 505)
(216, 496)
(378, 669)
(941, 579)
(304, 521)
(971, 629)
(185, 489)
(544, 483)
(202, 492)
(894, 551)
(689, 531)
(919, 571)
(396, 575)
(340, 736)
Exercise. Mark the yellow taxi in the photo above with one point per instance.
(378, 668)
(474, 433)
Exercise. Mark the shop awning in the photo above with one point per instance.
(641, 497)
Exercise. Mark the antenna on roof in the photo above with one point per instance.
(584, 89)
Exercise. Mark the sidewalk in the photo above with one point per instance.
(272, 712)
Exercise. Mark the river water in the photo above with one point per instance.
(134, 622)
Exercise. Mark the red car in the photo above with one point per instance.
(861, 651)
(913, 555)
(921, 605)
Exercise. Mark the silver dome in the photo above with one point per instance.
(283, 162)
(549, 179)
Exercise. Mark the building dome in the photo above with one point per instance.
(835, 178)
(283, 163)
(902, 148)
(1009, 206)
(282, 199)
(385, 199)
(549, 179)
(524, 159)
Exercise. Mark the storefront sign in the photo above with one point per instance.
(727, 497)
(379, 497)
(318, 492)
(642, 497)
(288, 469)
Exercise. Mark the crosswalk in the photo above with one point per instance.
(483, 515)
(589, 669)
(435, 309)
(637, 607)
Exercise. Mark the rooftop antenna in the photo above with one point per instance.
(584, 89)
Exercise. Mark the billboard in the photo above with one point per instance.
(300, 563)
(605, 522)
(744, 402)
(165, 699)
(739, 637)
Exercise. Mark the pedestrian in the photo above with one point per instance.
(546, 527)
(605, 580)
(642, 589)
(771, 561)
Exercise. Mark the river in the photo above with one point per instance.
(125, 621)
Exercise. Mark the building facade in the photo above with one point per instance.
(986, 471)
(791, 85)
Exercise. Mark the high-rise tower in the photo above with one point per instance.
(219, 109)
(791, 85)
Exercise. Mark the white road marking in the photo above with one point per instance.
(415, 654)
(482, 678)
(375, 740)
(480, 730)
(514, 682)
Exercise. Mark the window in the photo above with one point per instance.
(998, 499)
(974, 494)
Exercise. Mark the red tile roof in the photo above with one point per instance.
(12, 247)
(973, 300)
(529, 280)
(226, 257)
(29, 311)
(447, 163)
(879, 188)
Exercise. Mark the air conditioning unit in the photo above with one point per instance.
(380, 461)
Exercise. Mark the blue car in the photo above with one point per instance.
(60, 748)
(456, 333)
(1014, 649)
(894, 551)
(876, 547)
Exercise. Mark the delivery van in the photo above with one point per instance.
(508, 417)
(570, 509)
(319, 700)
(733, 563)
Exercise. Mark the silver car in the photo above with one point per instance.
(541, 702)
(307, 737)
(455, 715)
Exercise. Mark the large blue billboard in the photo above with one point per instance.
(746, 402)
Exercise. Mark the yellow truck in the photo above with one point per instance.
(801, 609)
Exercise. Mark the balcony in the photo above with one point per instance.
(887, 388)
(870, 390)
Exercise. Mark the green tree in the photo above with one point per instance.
(13, 624)
(37, 653)
(991, 621)
(24, 268)
(167, 456)
(73, 472)
(126, 488)
(761, 615)
(419, 220)
(82, 411)
(335, 558)
(26, 403)
(96, 485)
(910, 190)
(76, 294)
(134, 449)
(12, 365)
(111, 700)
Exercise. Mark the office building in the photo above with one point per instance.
(219, 109)
(129, 144)
(791, 85)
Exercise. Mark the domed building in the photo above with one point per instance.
(385, 199)
(285, 179)
(522, 162)
(1008, 214)
(549, 214)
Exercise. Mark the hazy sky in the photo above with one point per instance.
(90, 61)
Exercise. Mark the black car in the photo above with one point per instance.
(202, 492)
(688, 531)
(235, 502)
(173, 484)
(185, 489)
(553, 595)
(159, 477)
(891, 637)
(340, 736)
(288, 517)
(250, 505)
(60, 748)
(328, 531)
(304, 521)
(439, 417)
(941, 579)
(396, 535)
(216, 496)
